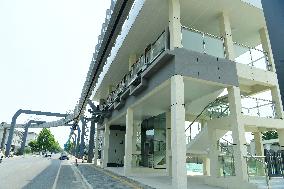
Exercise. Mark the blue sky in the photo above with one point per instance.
(45, 51)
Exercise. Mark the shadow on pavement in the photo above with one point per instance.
(45, 179)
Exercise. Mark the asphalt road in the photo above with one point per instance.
(37, 172)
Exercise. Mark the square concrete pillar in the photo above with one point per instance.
(266, 46)
(132, 60)
(168, 144)
(174, 24)
(96, 145)
(178, 144)
(281, 138)
(276, 98)
(238, 132)
(259, 150)
(213, 153)
(226, 32)
(106, 145)
(206, 166)
(128, 142)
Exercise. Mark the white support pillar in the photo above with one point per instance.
(96, 146)
(213, 153)
(226, 32)
(106, 145)
(276, 97)
(128, 142)
(132, 59)
(281, 138)
(168, 143)
(174, 24)
(206, 166)
(266, 46)
(259, 150)
(178, 143)
(238, 132)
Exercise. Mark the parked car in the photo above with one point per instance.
(64, 156)
(47, 154)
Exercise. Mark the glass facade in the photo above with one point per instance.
(153, 142)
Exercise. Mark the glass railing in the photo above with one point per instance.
(258, 107)
(198, 41)
(257, 168)
(219, 108)
(226, 158)
(143, 62)
(192, 132)
(226, 165)
(254, 57)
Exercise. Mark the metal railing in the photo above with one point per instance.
(258, 107)
(257, 167)
(226, 158)
(251, 56)
(202, 42)
(151, 53)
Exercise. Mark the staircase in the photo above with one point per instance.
(211, 108)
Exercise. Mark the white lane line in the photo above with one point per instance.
(56, 178)
(80, 177)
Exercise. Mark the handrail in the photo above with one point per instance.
(201, 32)
(249, 155)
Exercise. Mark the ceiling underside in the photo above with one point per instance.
(159, 102)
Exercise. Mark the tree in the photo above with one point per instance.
(47, 142)
(269, 135)
(34, 146)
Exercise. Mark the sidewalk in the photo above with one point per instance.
(97, 178)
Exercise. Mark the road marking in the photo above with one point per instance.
(56, 178)
(80, 177)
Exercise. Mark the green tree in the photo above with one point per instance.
(47, 142)
(34, 146)
(269, 135)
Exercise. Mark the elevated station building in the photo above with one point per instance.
(181, 75)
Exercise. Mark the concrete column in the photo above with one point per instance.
(238, 132)
(259, 150)
(213, 153)
(106, 145)
(96, 146)
(78, 142)
(82, 144)
(3, 139)
(132, 60)
(23, 144)
(226, 32)
(168, 144)
(128, 142)
(266, 46)
(91, 142)
(206, 166)
(276, 97)
(178, 144)
(281, 137)
(174, 24)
